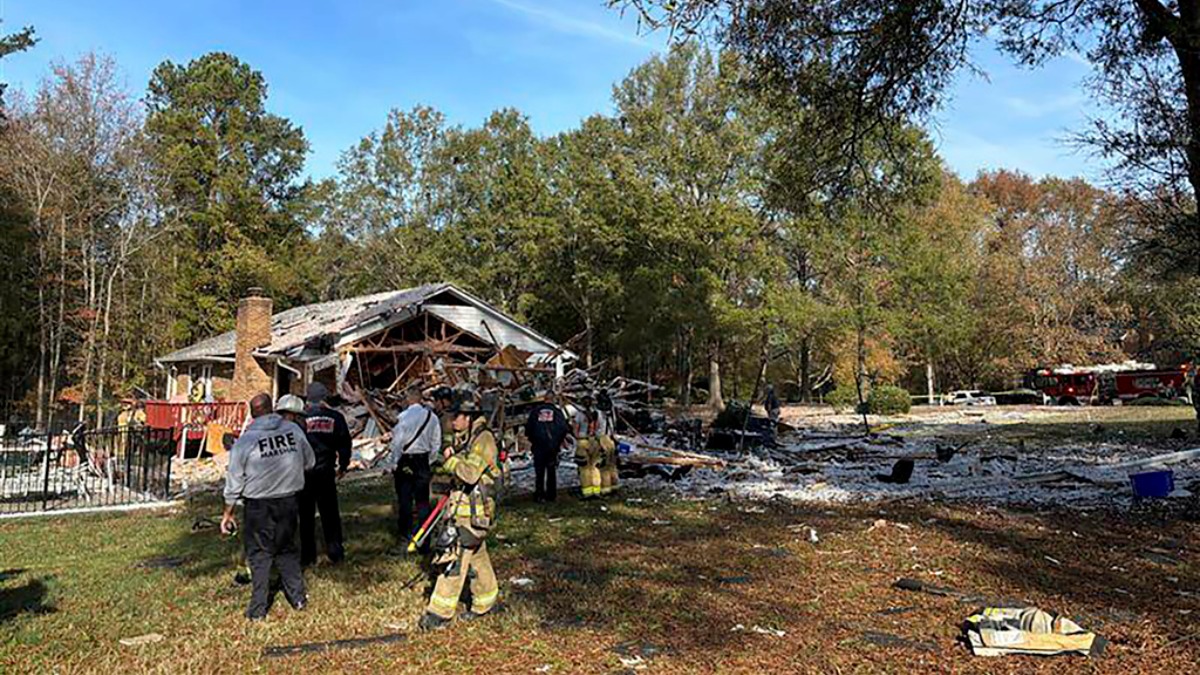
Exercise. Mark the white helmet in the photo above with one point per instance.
(290, 403)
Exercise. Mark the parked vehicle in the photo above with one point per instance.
(968, 397)
(1106, 385)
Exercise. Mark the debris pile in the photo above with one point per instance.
(838, 467)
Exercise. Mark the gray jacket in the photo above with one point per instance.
(268, 461)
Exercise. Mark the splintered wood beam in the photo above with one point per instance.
(507, 369)
(403, 375)
(420, 348)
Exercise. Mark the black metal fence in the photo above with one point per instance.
(85, 469)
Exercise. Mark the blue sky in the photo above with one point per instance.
(336, 68)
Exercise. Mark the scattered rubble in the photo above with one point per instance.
(823, 465)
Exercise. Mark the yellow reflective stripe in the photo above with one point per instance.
(485, 599)
(451, 463)
(442, 602)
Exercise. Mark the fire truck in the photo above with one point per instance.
(1108, 384)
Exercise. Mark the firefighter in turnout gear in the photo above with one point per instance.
(608, 446)
(461, 546)
(587, 450)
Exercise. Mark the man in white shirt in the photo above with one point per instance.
(416, 437)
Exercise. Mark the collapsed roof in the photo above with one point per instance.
(314, 331)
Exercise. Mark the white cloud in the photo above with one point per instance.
(572, 25)
(1027, 108)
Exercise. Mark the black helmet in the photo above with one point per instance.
(442, 394)
(466, 407)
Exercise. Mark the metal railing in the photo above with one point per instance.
(85, 469)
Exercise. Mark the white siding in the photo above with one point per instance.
(471, 318)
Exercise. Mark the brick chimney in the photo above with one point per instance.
(253, 332)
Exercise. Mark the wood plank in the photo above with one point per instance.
(419, 347)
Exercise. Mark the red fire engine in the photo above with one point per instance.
(1105, 385)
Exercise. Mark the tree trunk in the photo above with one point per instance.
(861, 364)
(103, 367)
(1182, 33)
(715, 401)
(587, 329)
(806, 370)
(60, 328)
(929, 380)
(685, 366)
(588, 342)
(43, 348)
(89, 345)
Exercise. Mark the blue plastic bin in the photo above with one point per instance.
(624, 448)
(1152, 483)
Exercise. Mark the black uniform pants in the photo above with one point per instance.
(545, 473)
(412, 490)
(320, 494)
(270, 540)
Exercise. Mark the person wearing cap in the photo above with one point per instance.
(415, 439)
(265, 474)
(462, 549)
(329, 436)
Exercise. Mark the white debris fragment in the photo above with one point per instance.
(521, 582)
(635, 662)
(774, 632)
(146, 639)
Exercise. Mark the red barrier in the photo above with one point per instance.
(195, 416)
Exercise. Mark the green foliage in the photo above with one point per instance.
(843, 397)
(231, 172)
(888, 399)
(11, 44)
(701, 235)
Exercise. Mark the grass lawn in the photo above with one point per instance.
(1145, 424)
(642, 576)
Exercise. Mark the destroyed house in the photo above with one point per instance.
(372, 342)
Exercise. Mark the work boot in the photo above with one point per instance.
(470, 615)
(431, 622)
(336, 555)
(299, 603)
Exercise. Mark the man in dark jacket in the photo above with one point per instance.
(547, 429)
(330, 440)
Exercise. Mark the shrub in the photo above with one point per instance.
(844, 397)
(888, 400)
